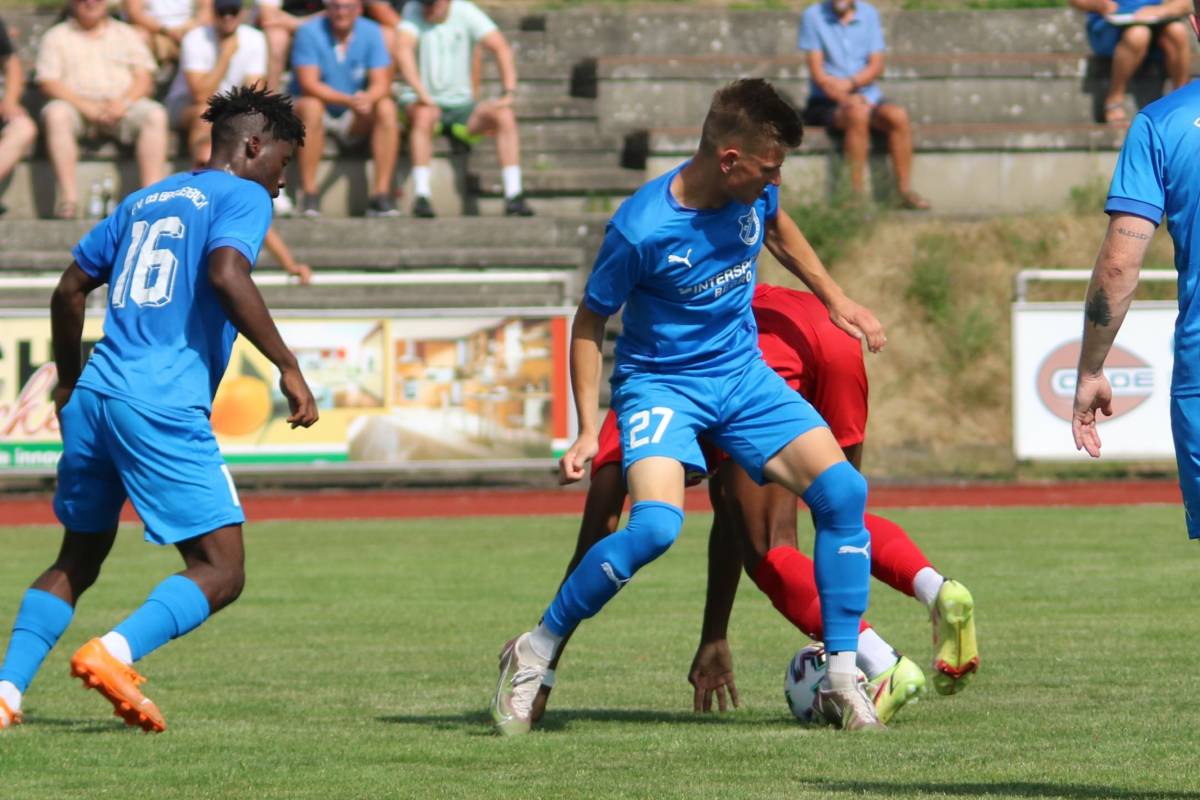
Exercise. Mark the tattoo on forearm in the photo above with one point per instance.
(1133, 234)
(1097, 311)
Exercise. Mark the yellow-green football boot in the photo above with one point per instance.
(891, 689)
(955, 653)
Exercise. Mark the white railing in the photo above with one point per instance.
(1027, 276)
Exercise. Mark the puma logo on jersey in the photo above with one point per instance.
(684, 259)
(864, 551)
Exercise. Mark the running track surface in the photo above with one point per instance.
(520, 502)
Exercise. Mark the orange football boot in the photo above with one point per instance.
(99, 670)
(8, 717)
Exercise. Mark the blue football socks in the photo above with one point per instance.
(40, 622)
(612, 561)
(842, 552)
(175, 607)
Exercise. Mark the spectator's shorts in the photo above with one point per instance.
(1103, 37)
(339, 127)
(457, 115)
(125, 131)
(820, 111)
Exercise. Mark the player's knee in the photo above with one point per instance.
(838, 498)
(652, 529)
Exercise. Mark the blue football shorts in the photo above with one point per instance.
(169, 467)
(1185, 428)
(751, 414)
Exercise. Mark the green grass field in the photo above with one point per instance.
(360, 660)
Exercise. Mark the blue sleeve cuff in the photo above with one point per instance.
(84, 262)
(599, 307)
(1127, 205)
(236, 244)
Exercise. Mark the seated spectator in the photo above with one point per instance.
(164, 23)
(434, 46)
(843, 40)
(279, 20)
(94, 94)
(1145, 28)
(213, 59)
(17, 130)
(342, 75)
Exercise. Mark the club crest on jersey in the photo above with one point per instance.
(751, 227)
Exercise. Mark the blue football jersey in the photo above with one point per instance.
(685, 277)
(1157, 173)
(166, 337)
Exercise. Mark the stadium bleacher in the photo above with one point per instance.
(1004, 105)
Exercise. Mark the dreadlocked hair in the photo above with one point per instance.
(229, 113)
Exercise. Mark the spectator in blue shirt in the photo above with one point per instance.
(843, 40)
(1127, 31)
(343, 71)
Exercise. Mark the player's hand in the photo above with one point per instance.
(62, 396)
(712, 674)
(1092, 393)
(301, 404)
(859, 322)
(573, 464)
(301, 271)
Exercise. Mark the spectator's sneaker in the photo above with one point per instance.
(423, 208)
(8, 717)
(100, 670)
(310, 206)
(282, 205)
(891, 689)
(517, 207)
(381, 205)
(543, 697)
(521, 674)
(955, 653)
(846, 709)
(459, 133)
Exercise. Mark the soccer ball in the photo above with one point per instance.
(804, 672)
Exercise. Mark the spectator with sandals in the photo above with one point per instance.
(1129, 32)
(843, 40)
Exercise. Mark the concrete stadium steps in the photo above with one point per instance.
(963, 169)
(421, 263)
(1038, 88)
(588, 181)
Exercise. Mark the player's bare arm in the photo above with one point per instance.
(587, 341)
(711, 672)
(66, 325)
(1109, 293)
(785, 241)
(229, 273)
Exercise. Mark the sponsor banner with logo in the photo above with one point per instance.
(392, 388)
(1046, 342)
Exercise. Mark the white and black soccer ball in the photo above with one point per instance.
(804, 672)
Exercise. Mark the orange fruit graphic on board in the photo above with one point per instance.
(242, 406)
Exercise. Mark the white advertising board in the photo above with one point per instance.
(1046, 339)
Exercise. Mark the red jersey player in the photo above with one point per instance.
(755, 526)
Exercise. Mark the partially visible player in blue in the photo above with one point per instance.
(680, 256)
(1157, 174)
(176, 257)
